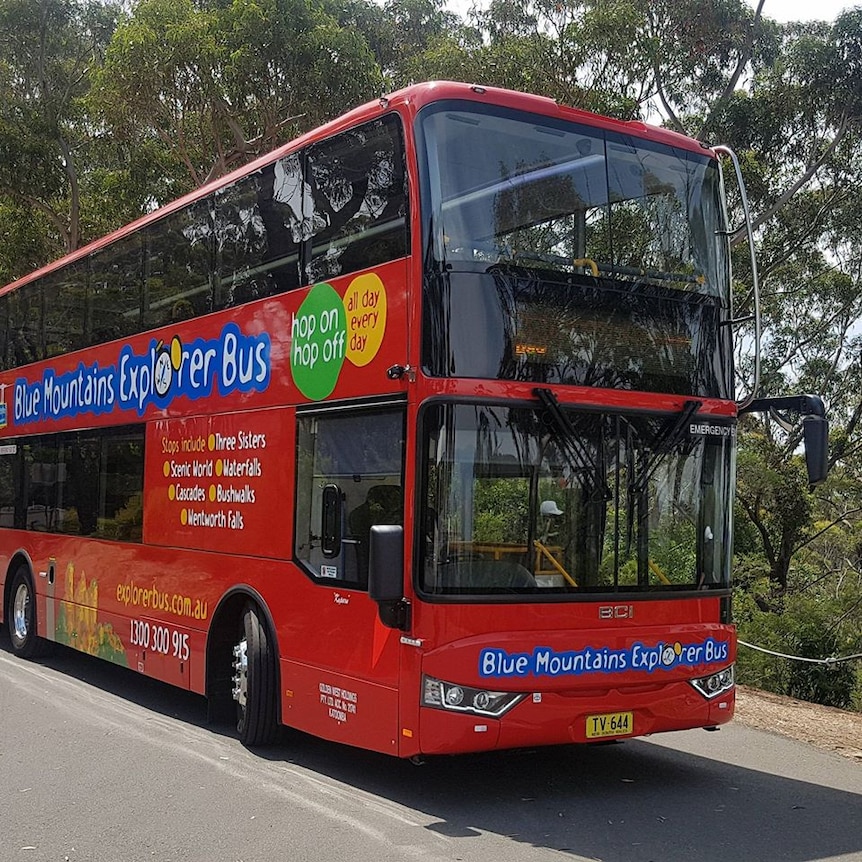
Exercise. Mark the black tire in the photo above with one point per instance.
(255, 681)
(21, 617)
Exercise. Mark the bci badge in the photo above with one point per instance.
(616, 612)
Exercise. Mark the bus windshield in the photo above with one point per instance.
(555, 500)
(596, 257)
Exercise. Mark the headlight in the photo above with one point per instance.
(461, 698)
(715, 684)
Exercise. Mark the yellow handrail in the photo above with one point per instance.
(588, 261)
(553, 561)
(659, 573)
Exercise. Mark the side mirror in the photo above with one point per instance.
(815, 432)
(815, 428)
(386, 574)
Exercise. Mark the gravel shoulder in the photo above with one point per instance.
(821, 726)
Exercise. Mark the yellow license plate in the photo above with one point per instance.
(610, 724)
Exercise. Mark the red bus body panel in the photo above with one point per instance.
(555, 708)
(218, 513)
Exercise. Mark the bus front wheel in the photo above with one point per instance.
(21, 615)
(254, 681)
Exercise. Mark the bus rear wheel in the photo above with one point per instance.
(21, 615)
(254, 681)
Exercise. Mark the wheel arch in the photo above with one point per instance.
(221, 638)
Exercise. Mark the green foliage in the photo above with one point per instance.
(773, 495)
(48, 51)
(502, 511)
(218, 83)
(25, 242)
(808, 626)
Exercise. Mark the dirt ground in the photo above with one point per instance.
(822, 726)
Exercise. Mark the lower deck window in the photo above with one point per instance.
(87, 483)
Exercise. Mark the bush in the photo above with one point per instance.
(798, 625)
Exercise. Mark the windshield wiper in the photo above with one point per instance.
(639, 479)
(663, 444)
(571, 444)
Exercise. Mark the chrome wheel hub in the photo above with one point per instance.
(240, 673)
(20, 613)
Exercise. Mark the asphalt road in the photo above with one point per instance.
(98, 764)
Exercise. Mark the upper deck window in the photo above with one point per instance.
(593, 258)
(334, 207)
(356, 205)
(547, 194)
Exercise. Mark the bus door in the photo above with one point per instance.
(340, 666)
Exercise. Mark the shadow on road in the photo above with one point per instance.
(631, 802)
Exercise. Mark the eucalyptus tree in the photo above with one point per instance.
(217, 83)
(797, 126)
(576, 52)
(48, 49)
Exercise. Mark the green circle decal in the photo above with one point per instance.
(318, 336)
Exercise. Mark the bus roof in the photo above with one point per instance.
(410, 100)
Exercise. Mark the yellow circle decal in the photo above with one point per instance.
(167, 469)
(176, 352)
(184, 517)
(171, 492)
(212, 493)
(365, 308)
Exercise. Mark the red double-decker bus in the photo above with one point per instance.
(417, 434)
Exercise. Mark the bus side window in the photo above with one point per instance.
(45, 318)
(358, 186)
(384, 504)
(12, 512)
(362, 455)
(83, 484)
(65, 306)
(177, 263)
(257, 234)
(4, 332)
(25, 335)
(116, 274)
